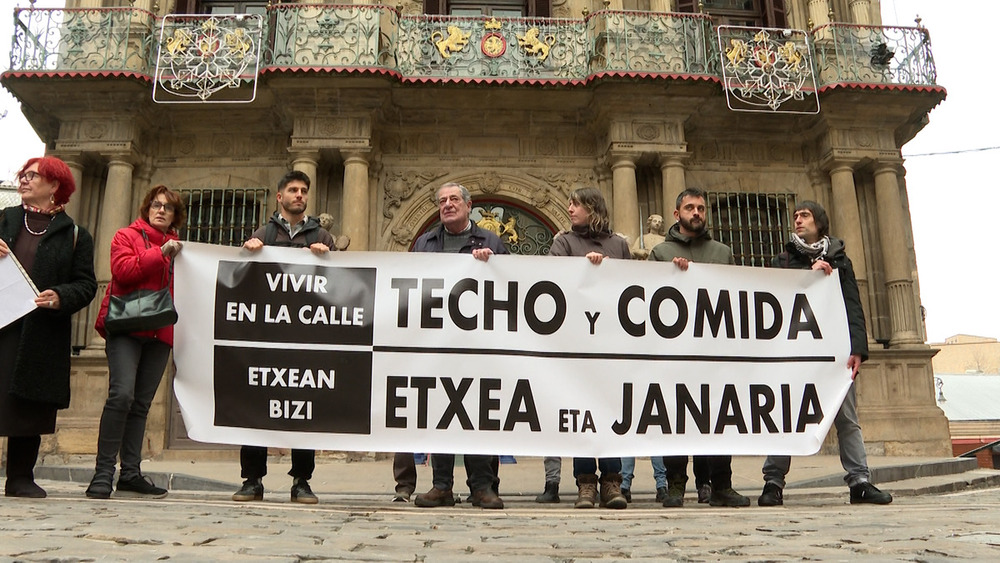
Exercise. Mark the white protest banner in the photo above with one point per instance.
(375, 351)
(18, 291)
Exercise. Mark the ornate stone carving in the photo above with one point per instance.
(95, 130)
(399, 186)
(491, 182)
(647, 131)
(584, 146)
(402, 235)
(547, 146)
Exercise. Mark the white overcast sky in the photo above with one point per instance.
(947, 192)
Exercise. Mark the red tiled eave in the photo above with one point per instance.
(869, 86)
(76, 74)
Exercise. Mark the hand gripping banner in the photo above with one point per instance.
(378, 351)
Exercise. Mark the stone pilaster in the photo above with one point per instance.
(899, 285)
(356, 199)
(625, 199)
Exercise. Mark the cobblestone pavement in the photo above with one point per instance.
(196, 526)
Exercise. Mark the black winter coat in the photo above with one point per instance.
(838, 259)
(42, 367)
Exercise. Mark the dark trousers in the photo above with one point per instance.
(589, 466)
(716, 469)
(478, 469)
(22, 453)
(135, 368)
(253, 463)
(404, 471)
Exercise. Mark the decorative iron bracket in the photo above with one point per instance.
(200, 56)
(768, 70)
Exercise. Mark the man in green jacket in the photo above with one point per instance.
(688, 241)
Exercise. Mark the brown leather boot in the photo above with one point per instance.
(587, 497)
(611, 492)
(486, 498)
(435, 497)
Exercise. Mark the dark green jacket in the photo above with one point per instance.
(700, 250)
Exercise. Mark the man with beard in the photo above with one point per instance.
(688, 241)
(289, 226)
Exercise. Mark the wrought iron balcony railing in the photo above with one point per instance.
(84, 40)
(376, 38)
(855, 54)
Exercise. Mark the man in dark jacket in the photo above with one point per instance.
(289, 226)
(812, 247)
(458, 234)
(688, 240)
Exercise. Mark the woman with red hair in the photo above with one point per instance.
(35, 349)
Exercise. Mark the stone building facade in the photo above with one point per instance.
(521, 103)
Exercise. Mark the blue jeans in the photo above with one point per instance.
(659, 471)
(852, 448)
(135, 367)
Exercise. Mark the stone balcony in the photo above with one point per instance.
(377, 39)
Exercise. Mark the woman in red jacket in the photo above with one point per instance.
(141, 256)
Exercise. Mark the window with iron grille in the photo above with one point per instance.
(755, 226)
(223, 216)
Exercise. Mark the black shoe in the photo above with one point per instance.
(772, 495)
(661, 494)
(252, 489)
(302, 492)
(704, 493)
(866, 493)
(99, 489)
(728, 497)
(627, 493)
(402, 496)
(551, 493)
(675, 496)
(139, 486)
(23, 488)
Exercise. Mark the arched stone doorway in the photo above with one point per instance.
(522, 230)
(524, 211)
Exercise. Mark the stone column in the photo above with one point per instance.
(819, 11)
(846, 225)
(115, 213)
(308, 163)
(860, 11)
(899, 286)
(674, 182)
(625, 200)
(74, 205)
(356, 202)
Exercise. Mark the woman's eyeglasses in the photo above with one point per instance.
(156, 205)
(28, 176)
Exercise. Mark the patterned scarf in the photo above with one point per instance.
(815, 251)
(50, 211)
